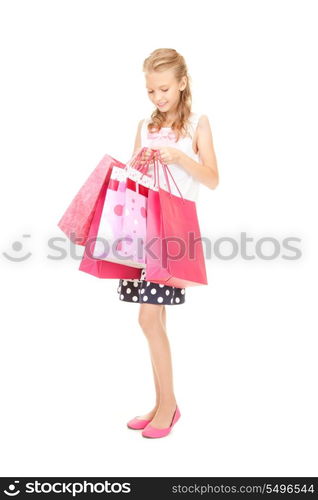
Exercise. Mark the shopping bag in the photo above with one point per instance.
(174, 254)
(133, 233)
(122, 230)
(98, 267)
(76, 221)
(135, 215)
(111, 221)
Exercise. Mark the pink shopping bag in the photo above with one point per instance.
(175, 254)
(111, 221)
(98, 267)
(122, 230)
(131, 246)
(76, 221)
(135, 212)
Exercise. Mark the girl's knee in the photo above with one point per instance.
(149, 316)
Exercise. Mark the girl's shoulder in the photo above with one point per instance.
(199, 120)
(194, 119)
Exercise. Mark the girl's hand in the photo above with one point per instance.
(145, 156)
(169, 155)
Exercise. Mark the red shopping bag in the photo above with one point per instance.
(76, 221)
(174, 254)
(98, 267)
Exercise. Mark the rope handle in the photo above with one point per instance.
(158, 160)
(134, 163)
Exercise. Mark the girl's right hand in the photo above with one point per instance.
(146, 155)
(142, 157)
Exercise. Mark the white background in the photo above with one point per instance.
(75, 364)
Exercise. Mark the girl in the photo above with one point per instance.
(181, 137)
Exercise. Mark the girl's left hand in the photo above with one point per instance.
(169, 155)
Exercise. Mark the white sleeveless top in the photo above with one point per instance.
(187, 184)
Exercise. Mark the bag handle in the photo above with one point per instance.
(157, 160)
(134, 163)
(165, 167)
(142, 168)
(135, 157)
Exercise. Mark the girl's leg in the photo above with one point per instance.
(151, 413)
(153, 326)
(163, 321)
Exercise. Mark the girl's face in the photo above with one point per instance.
(164, 90)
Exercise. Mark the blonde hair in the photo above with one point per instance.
(162, 60)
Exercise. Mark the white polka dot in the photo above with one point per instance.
(139, 291)
(177, 299)
(182, 291)
(148, 283)
(142, 290)
(128, 290)
(161, 285)
(118, 289)
(171, 301)
(159, 299)
(121, 297)
(135, 298)
(167, 292)
(136, 283)
(125, 283)
(145, 298)
(153, 291)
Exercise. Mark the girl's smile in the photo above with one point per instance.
(162, 85)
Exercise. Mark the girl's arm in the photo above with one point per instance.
(207, 171)
(138, 137)
(137, 144)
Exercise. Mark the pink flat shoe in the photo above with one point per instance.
(153, 432)
(137, 423)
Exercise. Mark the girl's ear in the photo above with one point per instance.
(184, 83)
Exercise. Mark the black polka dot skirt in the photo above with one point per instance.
(143, 291)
